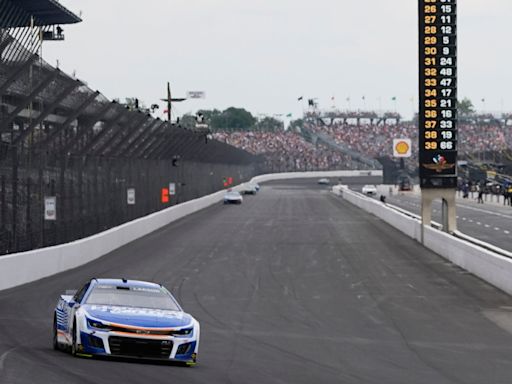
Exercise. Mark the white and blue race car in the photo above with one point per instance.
(125, 318)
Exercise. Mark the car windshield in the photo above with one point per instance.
(138, 297)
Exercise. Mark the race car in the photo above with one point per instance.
(125, 318)
(249, 189)
(233, 197)
(324, 181)
(370, 190)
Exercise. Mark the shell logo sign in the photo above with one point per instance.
(402, 148)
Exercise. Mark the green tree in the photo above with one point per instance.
(231, 119)
(465, 107)
(188, 121)
(296, 125)
(269, 124)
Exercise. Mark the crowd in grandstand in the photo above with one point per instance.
(376, 140)
(287, 151)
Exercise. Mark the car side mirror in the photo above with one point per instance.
(71, 303)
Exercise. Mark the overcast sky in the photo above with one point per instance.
(262, 55)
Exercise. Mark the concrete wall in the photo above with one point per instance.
(302, 175)
(490, 266)
(24, 267)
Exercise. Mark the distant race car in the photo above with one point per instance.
(233, 197)
(125, 318)
(324, 181)
(370, 190)
(249, 189)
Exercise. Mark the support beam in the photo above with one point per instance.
(159, 142)
(27, 100)
(141, 138)
(137, 131)
(116, 135)
(43, 114)
(110, 125)
(5, 42)
(17, 73)
(157, 136)
(449, 208)
(72, 117)
(83, 130)
(152, 151)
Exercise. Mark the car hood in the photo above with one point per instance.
(138, 317)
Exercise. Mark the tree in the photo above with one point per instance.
(465, 107)
(231, 119)
(236, 119)
(269, 124)
(188, 121)
(296, 125)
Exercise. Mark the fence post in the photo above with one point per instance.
(3, 216)
(14, 191)
(28, 224)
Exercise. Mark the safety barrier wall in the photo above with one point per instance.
(487, 265)
(302, 175)
(24, 267)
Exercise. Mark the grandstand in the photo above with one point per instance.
(61, 139)
(363, 139)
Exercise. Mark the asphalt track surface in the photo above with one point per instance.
(487, 222)
(293, 286)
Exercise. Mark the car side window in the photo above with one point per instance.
(81, 293)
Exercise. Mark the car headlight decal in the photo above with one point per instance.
(183, 332)
(98, 325)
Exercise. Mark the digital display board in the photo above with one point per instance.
(438, 93)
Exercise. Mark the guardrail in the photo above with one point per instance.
(486, 261)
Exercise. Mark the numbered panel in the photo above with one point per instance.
(438, 93)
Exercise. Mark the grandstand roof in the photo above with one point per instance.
(45, 12)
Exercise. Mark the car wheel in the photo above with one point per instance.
(74, 348)
(55, 339)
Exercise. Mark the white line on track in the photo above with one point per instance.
(478, 223)
(487, 226)
(507, 232)
(490, 212)
(485, 211)
(496, 229)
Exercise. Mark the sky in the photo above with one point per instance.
(262, 55)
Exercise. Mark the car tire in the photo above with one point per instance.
(55, 340)
(74, 348)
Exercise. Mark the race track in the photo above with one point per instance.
(294, 286)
